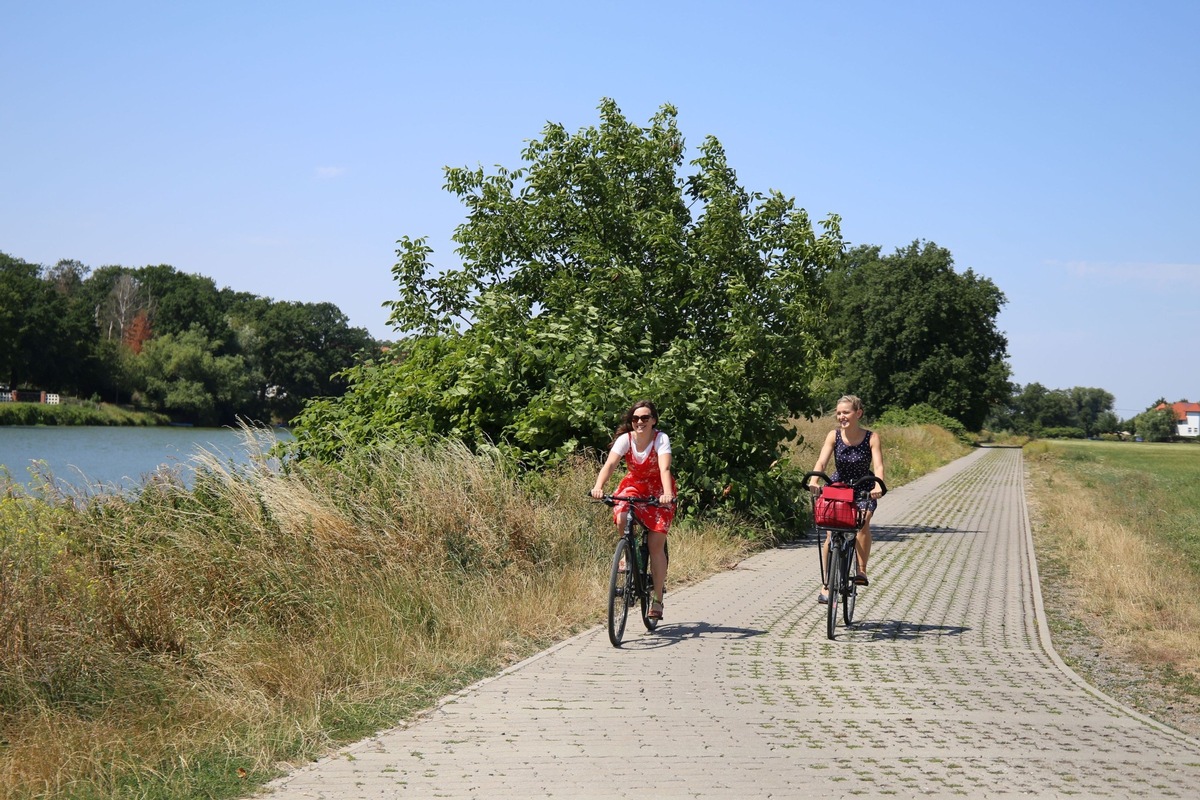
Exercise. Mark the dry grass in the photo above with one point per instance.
(1107, 531)
(185, 642)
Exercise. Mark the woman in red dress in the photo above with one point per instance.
(647, 454)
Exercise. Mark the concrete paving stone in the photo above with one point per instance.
(945, 686)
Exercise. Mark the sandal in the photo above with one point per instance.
(656, 610)
(861, 580)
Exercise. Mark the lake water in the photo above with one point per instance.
(90, 459)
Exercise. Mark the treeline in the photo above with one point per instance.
(1077, 413)
(169, 342)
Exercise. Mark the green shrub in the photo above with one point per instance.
(75, 413)
(1064, 432)
(925, 414)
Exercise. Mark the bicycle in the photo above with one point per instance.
(840, 573)
(631, 578)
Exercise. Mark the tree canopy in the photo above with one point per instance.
(594, 275)
(1037, 411)
(912, 330)
(168, 341)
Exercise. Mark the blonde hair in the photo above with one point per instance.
(853, 400)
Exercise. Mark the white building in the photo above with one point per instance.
(1187, 418)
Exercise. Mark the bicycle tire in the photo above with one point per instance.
(834, 588)
(620, 592)
(648, 586)
(850, 570)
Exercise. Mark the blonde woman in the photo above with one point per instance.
(856, 452)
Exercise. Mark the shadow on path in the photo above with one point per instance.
(673, 633)
(888, 533)
(898, 533)
(900, 630)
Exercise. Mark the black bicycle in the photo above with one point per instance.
(631, 579)
(839, 572)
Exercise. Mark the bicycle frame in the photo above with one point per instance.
(839, 566)
(634, 583)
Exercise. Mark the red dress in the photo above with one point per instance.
(644, 480)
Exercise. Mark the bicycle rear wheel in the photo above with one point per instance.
(645, 597)
(834, 590)
(650, 624)
(648, 585)
(620, 592)
(850, 570)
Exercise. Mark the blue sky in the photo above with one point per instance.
(282, 148)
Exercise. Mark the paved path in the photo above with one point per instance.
(945, 687)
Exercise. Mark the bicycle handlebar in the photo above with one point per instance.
(867, 480)
(612, 500)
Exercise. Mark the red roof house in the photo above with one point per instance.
(1187, 418)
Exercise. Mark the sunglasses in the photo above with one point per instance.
(642, 417)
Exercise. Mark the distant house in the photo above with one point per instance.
(1187, 418)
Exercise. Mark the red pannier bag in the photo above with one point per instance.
(835, 507)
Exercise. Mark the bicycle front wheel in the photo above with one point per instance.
(620, 591)
(834, 591)
(851, 572)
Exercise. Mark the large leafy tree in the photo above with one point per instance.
(1156, 424)
(45, 335)
(181, 302)
(912, 330)
(299, 350)
(183, 374)
(594, 275)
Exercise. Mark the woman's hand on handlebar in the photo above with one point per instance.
(811, 483)
(597, 493)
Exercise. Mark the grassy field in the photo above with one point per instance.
(1117, 533)
(187, 642)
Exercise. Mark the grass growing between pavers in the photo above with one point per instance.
(1117, 534)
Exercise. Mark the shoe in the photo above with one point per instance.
(822, 597)
(861, 580)
(656, 610)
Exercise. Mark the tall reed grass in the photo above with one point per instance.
(192, 641)
(185, 642)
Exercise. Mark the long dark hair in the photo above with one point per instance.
(627, 418)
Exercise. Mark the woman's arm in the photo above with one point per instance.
(823, 458)
(664, 473)
(876, 464)
(606, 472)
